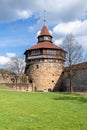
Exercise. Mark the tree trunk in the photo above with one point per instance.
(70, 84)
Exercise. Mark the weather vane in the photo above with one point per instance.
(44, 16)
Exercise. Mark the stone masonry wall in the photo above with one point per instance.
(79, 81)
(44, 76)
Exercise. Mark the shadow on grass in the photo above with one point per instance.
(71, 97)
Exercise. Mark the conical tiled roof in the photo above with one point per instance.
(44, 31)
(45, 45)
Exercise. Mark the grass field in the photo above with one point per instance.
(42, 111)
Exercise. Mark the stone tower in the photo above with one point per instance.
(44, 62)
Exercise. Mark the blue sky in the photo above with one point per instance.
(21, 20)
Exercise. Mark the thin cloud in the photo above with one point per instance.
(11, 42)
(3, 60)
(77, 28)
(57, 10)
(64, 16)
(10, 54)
(6, 58)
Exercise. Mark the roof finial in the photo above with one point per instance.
(44, 17)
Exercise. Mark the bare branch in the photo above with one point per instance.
(16, 65)
(74, 55)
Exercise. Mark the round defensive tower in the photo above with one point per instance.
(44, 62)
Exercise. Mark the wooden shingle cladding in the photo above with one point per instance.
(53, 53)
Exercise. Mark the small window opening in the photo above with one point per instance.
(30, 81)
(49, 90)
(37, 66)
(52, 81)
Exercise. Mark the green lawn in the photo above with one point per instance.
(42, 111)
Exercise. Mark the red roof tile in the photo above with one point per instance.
(46, 45)
(44, 31)
(79, 66)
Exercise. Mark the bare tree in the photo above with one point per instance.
(16, 65)
(74, 55)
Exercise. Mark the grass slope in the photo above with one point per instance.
(42, 111)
